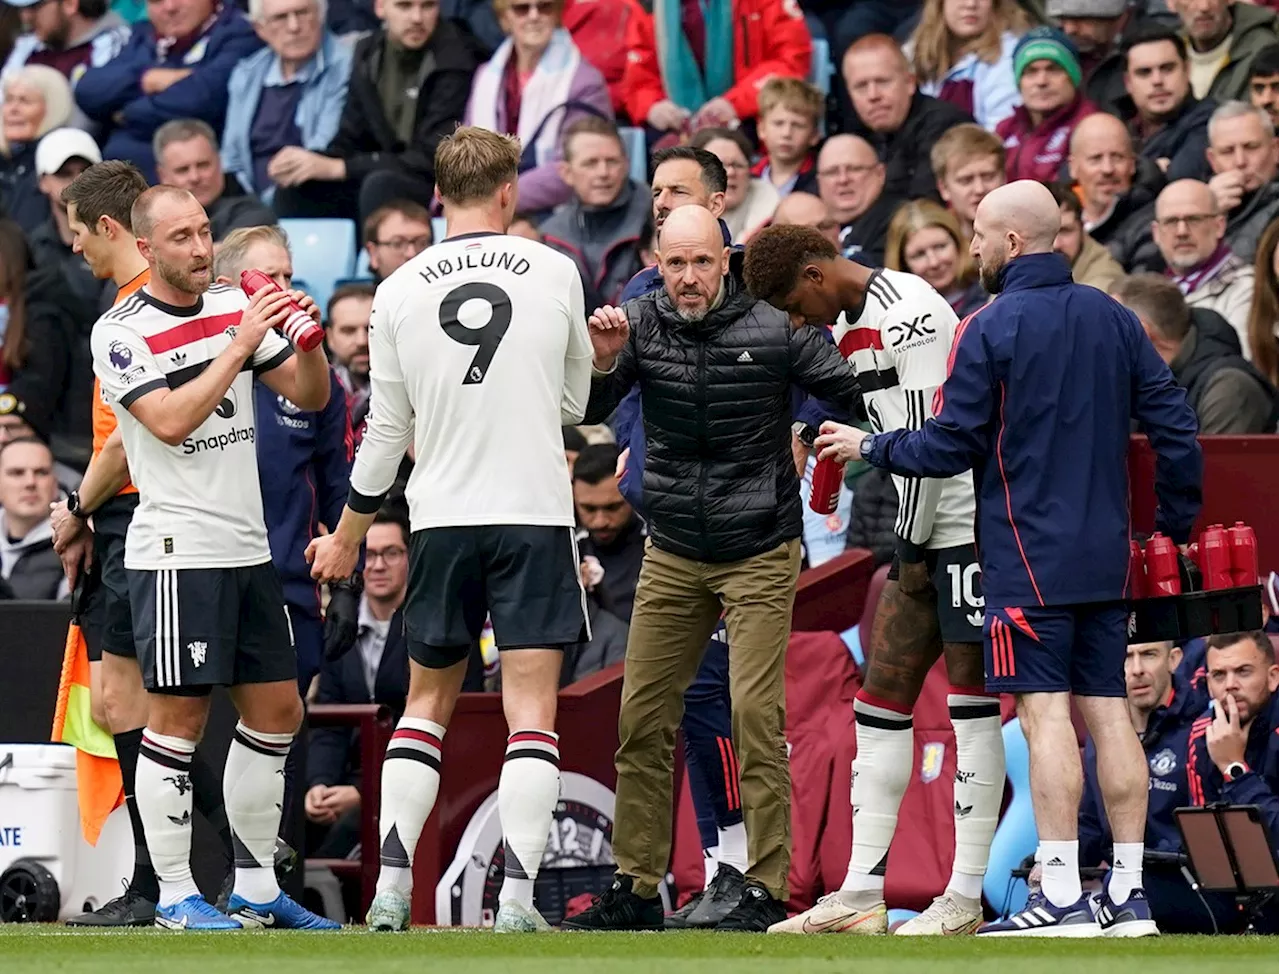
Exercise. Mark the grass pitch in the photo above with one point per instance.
(56, 950)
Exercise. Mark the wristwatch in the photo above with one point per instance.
(805, 433)
(864, 448)
(1234, 770)
(73, 505)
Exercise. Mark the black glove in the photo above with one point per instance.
(342, 618)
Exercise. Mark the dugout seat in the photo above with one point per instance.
(633, 142)
(324, 252)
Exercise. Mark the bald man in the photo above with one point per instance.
(1189, 229)
(807, 210)
(176, 363)
(1044, 383)
(900, 123)
(851, 182)
(1116, 204)
(722, 501)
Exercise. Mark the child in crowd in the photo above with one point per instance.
(790, 115)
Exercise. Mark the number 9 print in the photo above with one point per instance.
(488, 336)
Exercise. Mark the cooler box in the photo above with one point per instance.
(47, 870)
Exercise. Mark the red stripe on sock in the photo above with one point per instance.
(533, 737)
(413, 734)
(897, 708)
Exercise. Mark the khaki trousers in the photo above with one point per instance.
(677, 605)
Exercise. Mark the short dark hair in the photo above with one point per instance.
(589, 125)
(93, 9)
(106, 189)
(406, 208)
(1151, 32)
(352, 289)
(714, 177)
(1066, 197)
(573, 438)
(394, 511)
(1157, 300)
(182, 130)
(735, 136)
(1266, 63)
(596, 462)
(778, 254)
(1256, 636)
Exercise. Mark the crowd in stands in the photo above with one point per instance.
(1154, 128)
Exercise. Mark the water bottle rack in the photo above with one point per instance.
(1182, 617)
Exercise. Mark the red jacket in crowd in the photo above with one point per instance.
(599, 29)
(769, 38)
(1037, 152)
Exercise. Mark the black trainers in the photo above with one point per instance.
(679, 920)
(723, 896)
(130, 909)
(617, 908)
(755, 912)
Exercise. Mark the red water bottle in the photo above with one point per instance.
(824, 492)
(1137, 571)
(1243, 545)
(298, 327)
(1162, 567)
(1215, 558)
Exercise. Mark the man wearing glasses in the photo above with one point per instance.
(851, 181)
(409, 88)
(394, 234)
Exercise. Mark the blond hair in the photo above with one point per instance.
(934, 51)
(229, 260)
(794, 95)
(960, 145)
(473, 163)
(917, 215)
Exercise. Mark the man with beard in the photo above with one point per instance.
(346, 331)
(67, 35)
(176, 362)
(723, 507)
(1043, 385)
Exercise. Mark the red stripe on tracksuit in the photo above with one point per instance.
(729, 762)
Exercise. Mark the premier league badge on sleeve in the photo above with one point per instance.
(120, 355)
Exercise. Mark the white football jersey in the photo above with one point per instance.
(200, 502)
(478, 354)
(899, 348)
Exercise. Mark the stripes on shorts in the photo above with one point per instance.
(168, 640)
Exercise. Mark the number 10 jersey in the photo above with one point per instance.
(478, 354)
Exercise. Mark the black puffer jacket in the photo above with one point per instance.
(720, 482)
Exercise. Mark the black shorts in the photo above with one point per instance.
(105, 618)
(957, 579)
(525, 578)
(197, 628)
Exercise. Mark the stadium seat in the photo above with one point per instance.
(1015, 837)
(820, 68)
(324, 251)
(362, 271)
(634, 143)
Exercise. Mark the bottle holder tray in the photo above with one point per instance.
(1191, 614)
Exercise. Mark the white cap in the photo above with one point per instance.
(62, 144)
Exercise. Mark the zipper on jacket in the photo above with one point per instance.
(702, 448)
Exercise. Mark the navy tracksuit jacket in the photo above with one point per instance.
(1043, 383)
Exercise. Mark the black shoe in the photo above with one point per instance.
(130, 909)
(756, 912)
(723, 896)
(286, 862)
(617, 908)
(679, 920)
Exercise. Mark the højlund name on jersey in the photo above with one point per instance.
(474, 259)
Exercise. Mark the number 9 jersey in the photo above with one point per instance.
(898, 346)
(478, 354)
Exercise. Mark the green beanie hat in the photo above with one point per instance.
(1047, 44)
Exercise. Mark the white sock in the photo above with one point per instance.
(710, 863)
(733, 846)
(1126, 871)
(162, 789)
(881, 772)
(253, 790)
(410, 783)
(1060, 872)
(528, 790)
(979, 787)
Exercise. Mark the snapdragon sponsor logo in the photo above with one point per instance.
(198, 444)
